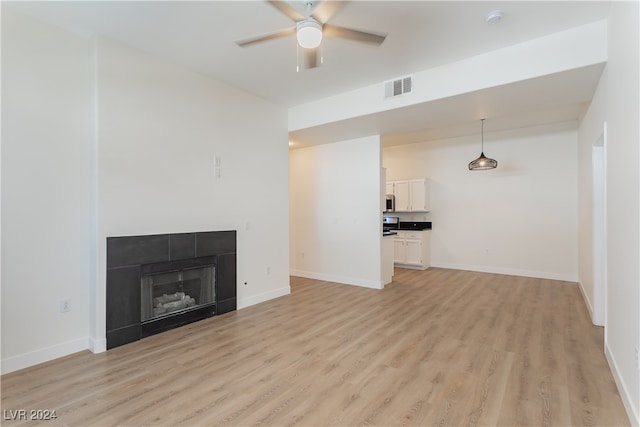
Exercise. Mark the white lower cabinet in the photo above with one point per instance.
(412, 249)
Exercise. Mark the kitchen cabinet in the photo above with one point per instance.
(389, 188)
(419, 195)
(412, 249)
(401, 191)
(411, 195)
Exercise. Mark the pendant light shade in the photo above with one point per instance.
(483, 162)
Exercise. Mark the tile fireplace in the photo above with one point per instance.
(160, 282)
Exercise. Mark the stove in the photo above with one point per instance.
(390, 223)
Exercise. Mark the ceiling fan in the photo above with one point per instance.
(311, 27)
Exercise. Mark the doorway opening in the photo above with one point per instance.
(599, 229)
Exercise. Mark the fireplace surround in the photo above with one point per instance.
(159, 282)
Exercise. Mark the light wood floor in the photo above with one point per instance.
(437, 347)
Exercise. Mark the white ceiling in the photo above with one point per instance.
(201, 35)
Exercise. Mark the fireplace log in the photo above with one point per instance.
(168, 307)
(177, 296)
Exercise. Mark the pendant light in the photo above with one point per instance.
(482, 162)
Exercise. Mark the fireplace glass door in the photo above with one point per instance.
(170, 293)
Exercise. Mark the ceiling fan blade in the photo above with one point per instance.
(347, 33)
(266, 37)
(311, 58)
(287, 10)
(327, 10)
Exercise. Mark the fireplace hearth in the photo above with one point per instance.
(160, 282)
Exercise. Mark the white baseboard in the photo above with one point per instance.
(24, 360)
(587, 303)
(339, 279)
(97, 345)
(632, 413)
(506, 271)
(265, 296)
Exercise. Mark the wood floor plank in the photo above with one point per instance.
(436, 347)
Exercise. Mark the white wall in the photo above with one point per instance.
(160, 128)
(48, 180)
(517, 219)
(120, 146)
(622, 330)
(590, 130)
(336, 220)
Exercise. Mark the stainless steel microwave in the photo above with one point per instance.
(390, 203)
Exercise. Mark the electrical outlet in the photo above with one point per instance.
(65, 305)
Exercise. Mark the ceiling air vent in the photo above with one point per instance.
(398, 87)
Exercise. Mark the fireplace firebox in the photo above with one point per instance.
(175, 292)
(160, 282)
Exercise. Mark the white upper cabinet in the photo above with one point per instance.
(419, 195)
(411, 195)
(401, 191)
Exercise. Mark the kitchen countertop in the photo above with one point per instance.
(389, 233)
(407, 226)
(414, 225)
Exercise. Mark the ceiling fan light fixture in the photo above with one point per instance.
(309, 33)
(483, 162)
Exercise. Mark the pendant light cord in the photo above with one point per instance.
(482, 137)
